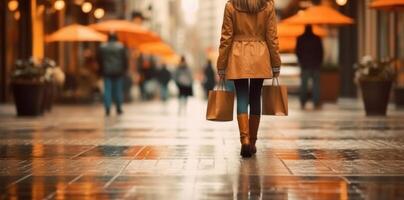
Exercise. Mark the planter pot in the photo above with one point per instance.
(329, 86)
(399, 97)
(28, 97)
(376, 96)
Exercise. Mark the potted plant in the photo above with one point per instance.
(375, 79)
(330, 83)
(28, 87)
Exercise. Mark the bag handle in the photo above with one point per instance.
(273, 81)
(221, 86)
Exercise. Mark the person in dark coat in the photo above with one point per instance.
(183, 79)
(164, 77)
(113, 62)
(310, 53)
(209, 81)
(141, 66)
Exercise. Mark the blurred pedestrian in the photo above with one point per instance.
(183, 79)
(164, 77)
(310, 53)
(151, 85)
(209, 81)
(147, 73)
(113, 62)
(248, 54)
(142, 66)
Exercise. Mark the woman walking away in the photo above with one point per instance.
(184, 81)
(248, 54)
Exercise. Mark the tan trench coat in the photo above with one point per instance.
(249, 45)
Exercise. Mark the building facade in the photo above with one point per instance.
(379, 34)
(210, 16)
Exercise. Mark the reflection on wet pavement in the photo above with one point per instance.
(151, 153)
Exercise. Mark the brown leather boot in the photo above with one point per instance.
(254, 123)
(244, 135)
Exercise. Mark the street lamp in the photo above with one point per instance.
(99, 13)
(59, 4)
(13, 5)
(86, 7)
(341, 2)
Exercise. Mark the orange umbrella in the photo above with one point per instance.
(319, 15)
(290, 30)
(134, 41)
(171, 59)
(129, 33)
(157, 49)
(76, 33)
(118, 26)
(387, 4)
(288, 34)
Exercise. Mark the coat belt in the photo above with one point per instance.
(248, 38)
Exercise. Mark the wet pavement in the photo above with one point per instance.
(152, 153)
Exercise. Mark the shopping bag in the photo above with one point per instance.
(275, 99)
(220, 104)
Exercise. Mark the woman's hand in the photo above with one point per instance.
(276, 71)
(222, 74)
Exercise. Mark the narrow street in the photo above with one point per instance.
(152, 153)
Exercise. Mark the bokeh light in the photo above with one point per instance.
(86, 7)
(99, 13)
(59, 4)
(341, 2)
(13, 5)
(17, 15)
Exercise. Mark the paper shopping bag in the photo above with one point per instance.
(220, 105)
(275, 100)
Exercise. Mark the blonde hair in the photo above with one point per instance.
(251, 6)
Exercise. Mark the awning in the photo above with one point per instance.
(129, 33)
(157, 49)
(319, 15)
(387, 4)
